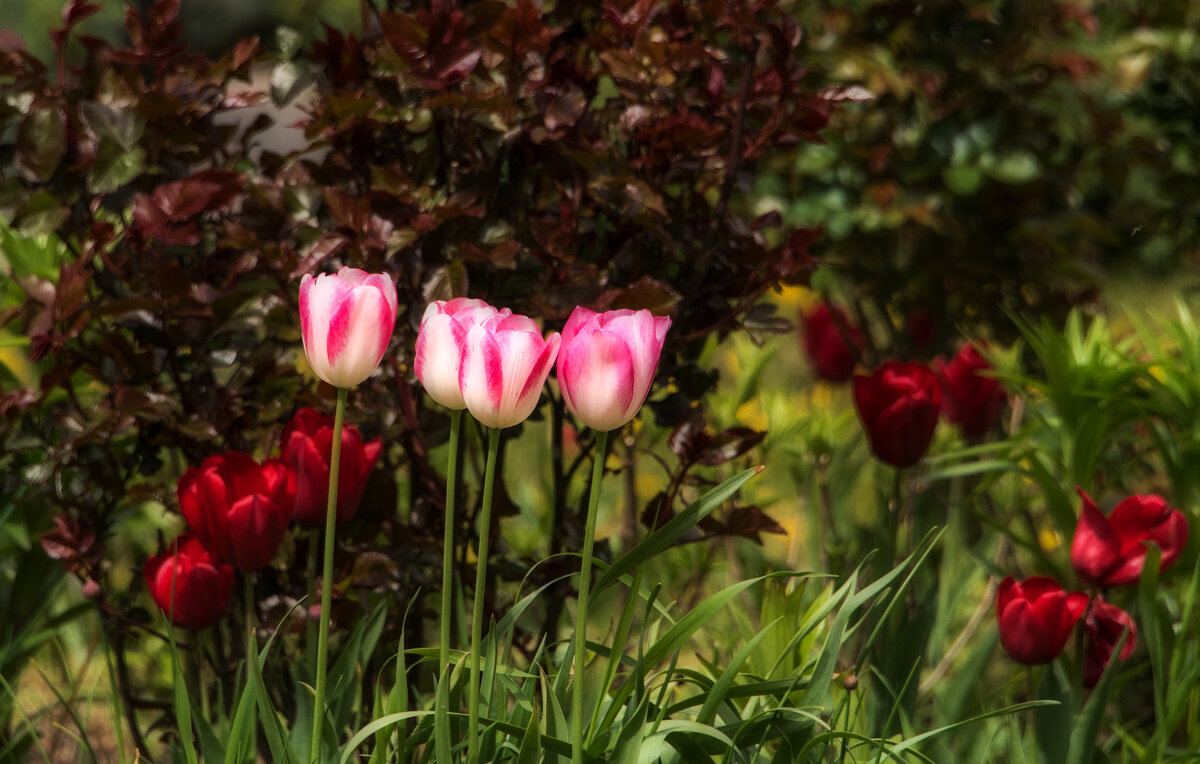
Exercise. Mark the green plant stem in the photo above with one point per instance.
(335, 463)
(115, 704)
(251, 651)
(198, 646)
(448, 542)
(581, 611)
(485, 527)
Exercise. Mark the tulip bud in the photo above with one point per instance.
(607, 362)
(307, 445)
(188, 584)
(832, 343)
(504, 365)
(969, 399)
(440, 345)
(1104, 625)
(1036, 617)
(238, 508)
(1111, 551)
(346, 321)
(898, 405)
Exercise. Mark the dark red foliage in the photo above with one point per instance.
(595, 154)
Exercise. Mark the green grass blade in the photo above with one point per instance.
(662, 538)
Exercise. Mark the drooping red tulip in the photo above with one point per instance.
(1111, 551)
(969, 399)
(307, 445)
(833, 351)
(898, 404)
(188, 583)
(1104, 625)
(1035, 617)
(238, 508)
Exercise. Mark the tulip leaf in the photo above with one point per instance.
(183, 704)
(376, 725)
(441, 717)
(531, 743)
(673, 529)
(1050, 721)
(1087, 725)
(1154, 635)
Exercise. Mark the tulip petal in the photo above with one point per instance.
(1095, 549)
(596, 376)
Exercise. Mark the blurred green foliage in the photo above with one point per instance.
(1010, 154)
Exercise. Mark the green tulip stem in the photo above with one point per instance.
(448, 542)
(335, 463)
(485, 528)
(251, 649)
(581, 610)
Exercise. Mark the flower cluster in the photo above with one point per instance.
(238, 509)
(493, 363)
(1036, 615)
(900, 403)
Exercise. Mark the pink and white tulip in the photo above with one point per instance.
(607, 363)
(440, 344)
(505, 361)
(346, 320)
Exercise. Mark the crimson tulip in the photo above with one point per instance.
(306, 448)
(969, 399)
(505, 361)
(1104, 625)
(188, 584)
(898, 405)
(440, 344)
(1035, 617)
(607, 362)
(238, 508)
(346, 321)
(1111, 551)
(832, 342)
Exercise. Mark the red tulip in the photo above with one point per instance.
(1110, 551)
(898, 405)
(201, 584)
(238, 508)
(1104, 625)
(826, 343)
(969, 399)
(1036, 617)
(307, 446)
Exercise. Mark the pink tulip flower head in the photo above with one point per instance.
(440, 344)
(346, 320)
(607, 363)
(504, 365)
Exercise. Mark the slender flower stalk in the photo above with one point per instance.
(448, 542)
(585, 580)
(335, 461)
(485, 526)
(251, 650)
